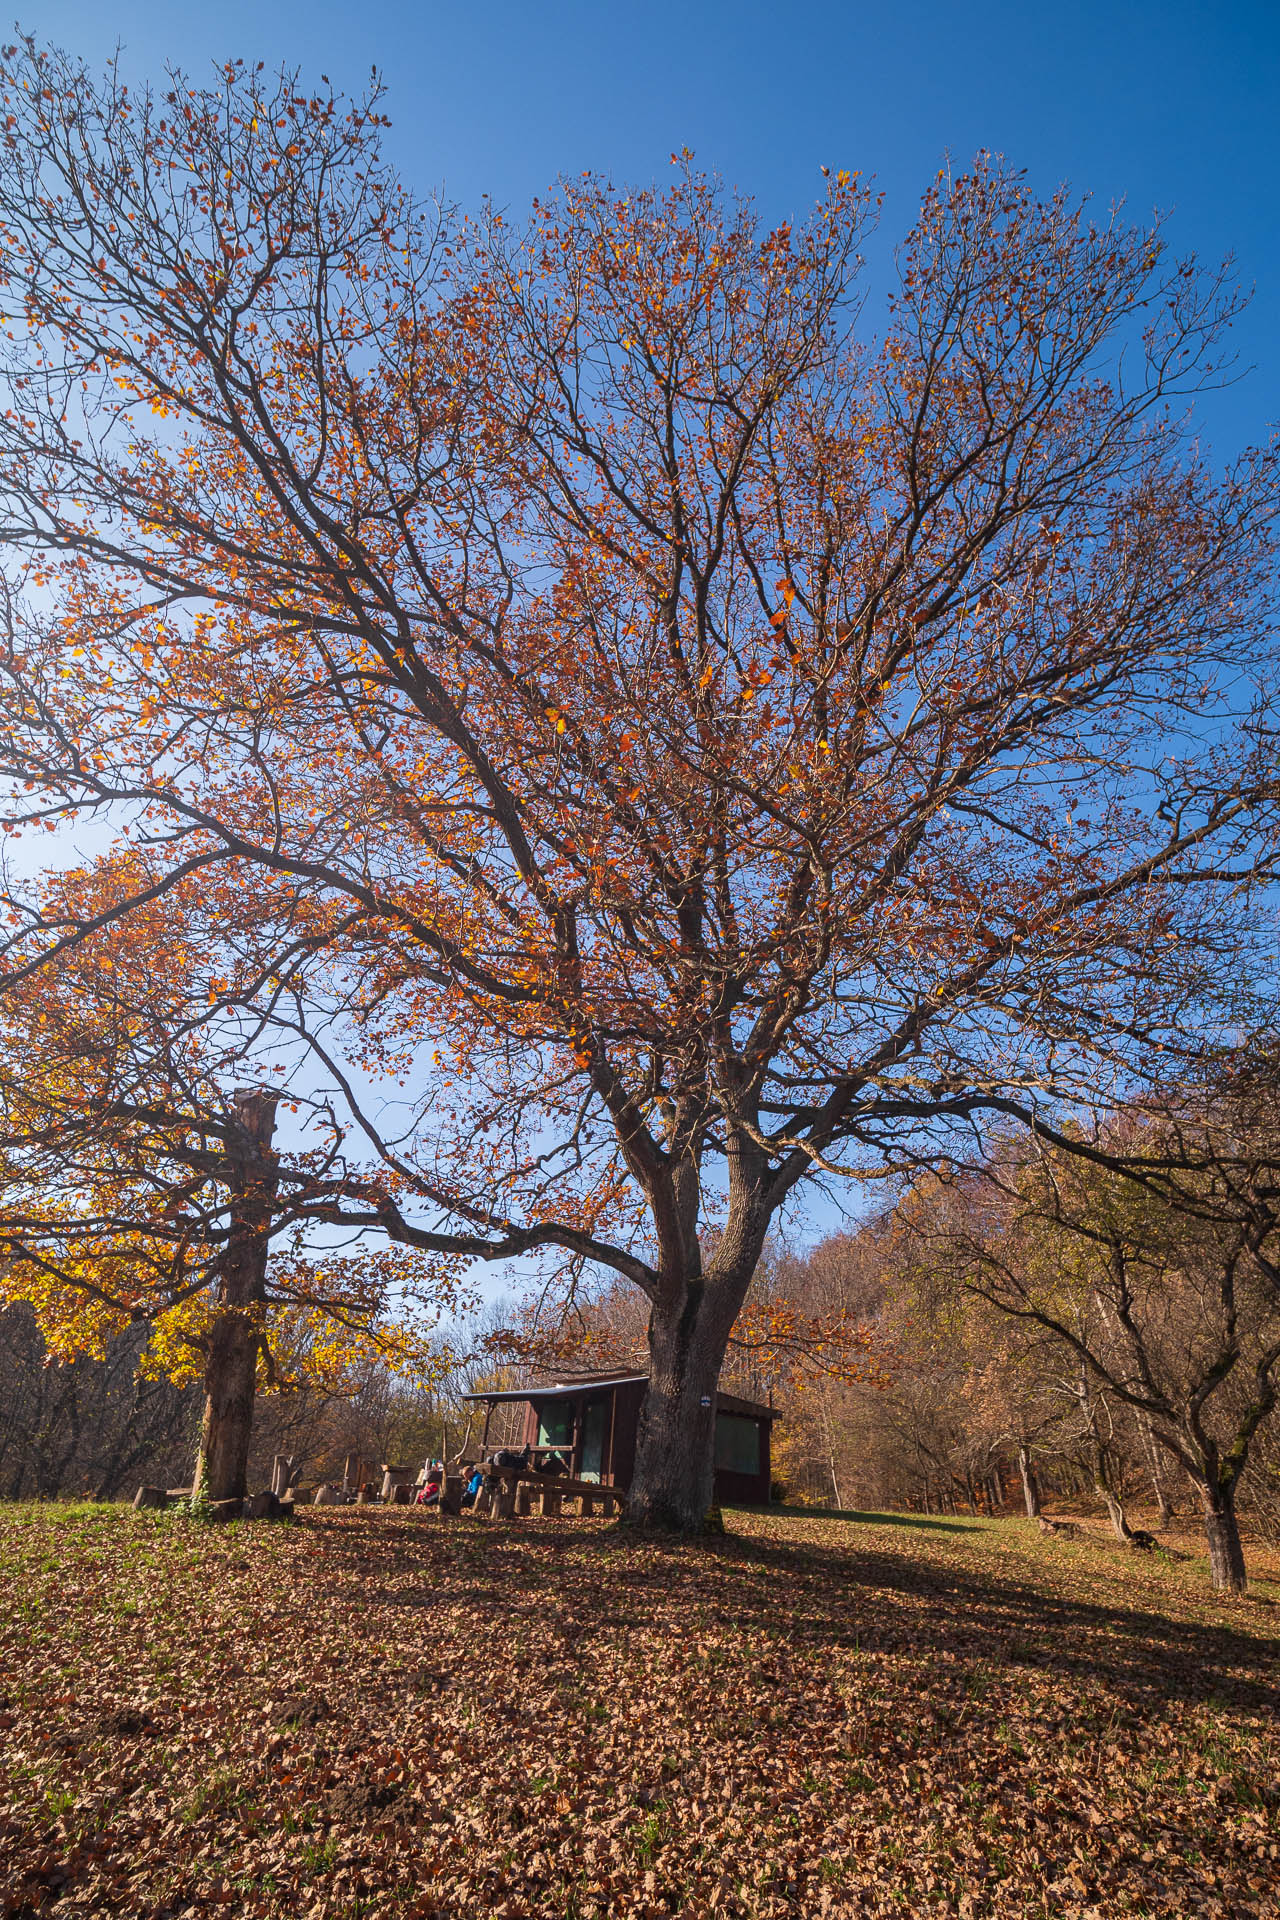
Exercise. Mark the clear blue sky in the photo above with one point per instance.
(1167, 103)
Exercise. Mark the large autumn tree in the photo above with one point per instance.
(683, 736)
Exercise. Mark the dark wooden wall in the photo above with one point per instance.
(622, 1426)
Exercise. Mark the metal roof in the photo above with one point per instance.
(590, 1382)
(582, 1384)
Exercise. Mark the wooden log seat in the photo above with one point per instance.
(592, 1498)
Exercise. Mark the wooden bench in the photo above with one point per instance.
(592, 1498)
(519, 1495)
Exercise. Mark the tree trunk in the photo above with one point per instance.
(829, 1434)
(1103, 1479)
(1102, 1482)
(1030, 1491)
(1222, 1529)
(231, 1361)
(672, 1486)
(1159, 1486)
(1115, 1513)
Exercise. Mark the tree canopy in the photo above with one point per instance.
(652, 739)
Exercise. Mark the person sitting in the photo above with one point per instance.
(473, 1487)
(430, 1493)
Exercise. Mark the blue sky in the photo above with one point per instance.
(1173, 105)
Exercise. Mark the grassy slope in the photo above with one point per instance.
(376, 1713)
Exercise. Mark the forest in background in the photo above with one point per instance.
(1036, 1329)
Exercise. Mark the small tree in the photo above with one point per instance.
(1162, 1307)
(679, 740)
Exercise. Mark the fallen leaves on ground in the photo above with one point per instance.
(379, 1712)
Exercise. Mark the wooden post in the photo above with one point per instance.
(524, 1499)
(551, 1503)
(484, 1500)
(588, 1505)
(504, 1504)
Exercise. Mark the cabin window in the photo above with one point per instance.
(555, 1424)
(737, 1443)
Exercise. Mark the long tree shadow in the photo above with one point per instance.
(1146, 1655)
(921, 1522)
(808, 1598)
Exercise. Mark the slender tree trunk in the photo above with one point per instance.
(1102, 1476)
(1030, 1491)
(1104, 1485)
(829, 1435)
(1222, 1529)
(1159, 1485)
(1114, 1504)
(231, 1362)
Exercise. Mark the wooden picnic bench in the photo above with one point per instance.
(521, 1494)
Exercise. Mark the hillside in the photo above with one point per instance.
(376, 1713)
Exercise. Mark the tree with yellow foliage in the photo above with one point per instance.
(144, 1184)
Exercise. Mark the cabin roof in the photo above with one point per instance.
(583, 1382)
(562, 1387)
(553, 1392)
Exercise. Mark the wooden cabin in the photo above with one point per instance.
(590, 1422)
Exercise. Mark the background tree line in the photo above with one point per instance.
(1095, 1319)
(96, 1427)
